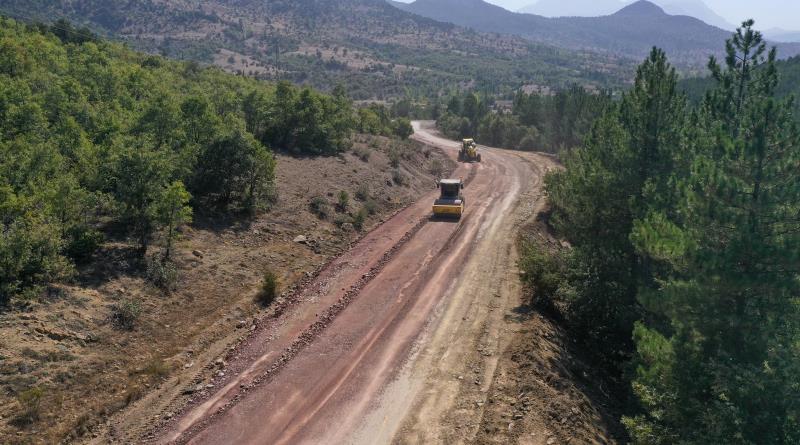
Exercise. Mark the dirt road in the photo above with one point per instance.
(397, 340)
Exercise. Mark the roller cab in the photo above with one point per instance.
(451, 202)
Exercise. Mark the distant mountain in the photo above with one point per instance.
(696, 9)
(595, 8)
(376, 50)
(573, 8)
(782, 35)
(631, 32)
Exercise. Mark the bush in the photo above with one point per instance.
(156, 368)
(403, 128)
(83, 242)
(343, 222)
(359, 218)
(319, 206)
(545, 273)
(29, 256)
(371, 206)
(362, 153)
(30, 402)
(436, 168)
(162, 272)
(343, 200)
(125, 313)
(398, 177)
(270, 288)
(362, 192)
(394, 157)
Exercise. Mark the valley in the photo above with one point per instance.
(374, 222)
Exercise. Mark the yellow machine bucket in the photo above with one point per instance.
(448, 209)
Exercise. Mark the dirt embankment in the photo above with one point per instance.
(546, 391)
(88, 369)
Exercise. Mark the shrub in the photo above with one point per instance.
(83, 242)
(394, 157)
(436, 168)
(30, 402)
(270, 288)
(362, 192)
(398, 177)
(362, 153)
(156, 368)
(359, 218)
(344, 222)
(343, 200)
(403, 128)
(371, 206)
(162, 272)
(545, 273)
(319, 206)
(125, 313)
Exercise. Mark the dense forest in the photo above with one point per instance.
(98, 141)
(684, 223)
(536, 122)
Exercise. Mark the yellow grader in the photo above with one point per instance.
(451, 202)
(469, 151)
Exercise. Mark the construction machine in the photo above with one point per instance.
(451, 202)
(469, 151)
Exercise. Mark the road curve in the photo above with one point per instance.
(365, 353)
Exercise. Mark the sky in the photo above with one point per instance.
(767, 13)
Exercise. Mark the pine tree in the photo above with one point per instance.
(725, 370)
(608, 184)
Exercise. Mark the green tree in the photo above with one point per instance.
(471, 109)
(403, 128)
(623, 168)
(141, 173)
(235, 171)
(725, 368)
(173, 211)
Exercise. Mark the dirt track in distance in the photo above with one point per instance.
(396, 340)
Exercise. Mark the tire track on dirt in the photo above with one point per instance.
(209, 410)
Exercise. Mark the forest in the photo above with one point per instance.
(684, 222)
(538, 122)
(100, 143)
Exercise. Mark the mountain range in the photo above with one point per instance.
(594, 8)
(376, 50)
(630, 32)
(782, 35)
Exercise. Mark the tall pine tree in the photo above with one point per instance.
(610, 182)
(725, 370)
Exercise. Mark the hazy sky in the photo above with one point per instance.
(767, 13)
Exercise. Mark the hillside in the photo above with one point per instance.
(140, 209)
(376, 50)
(630, 32)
